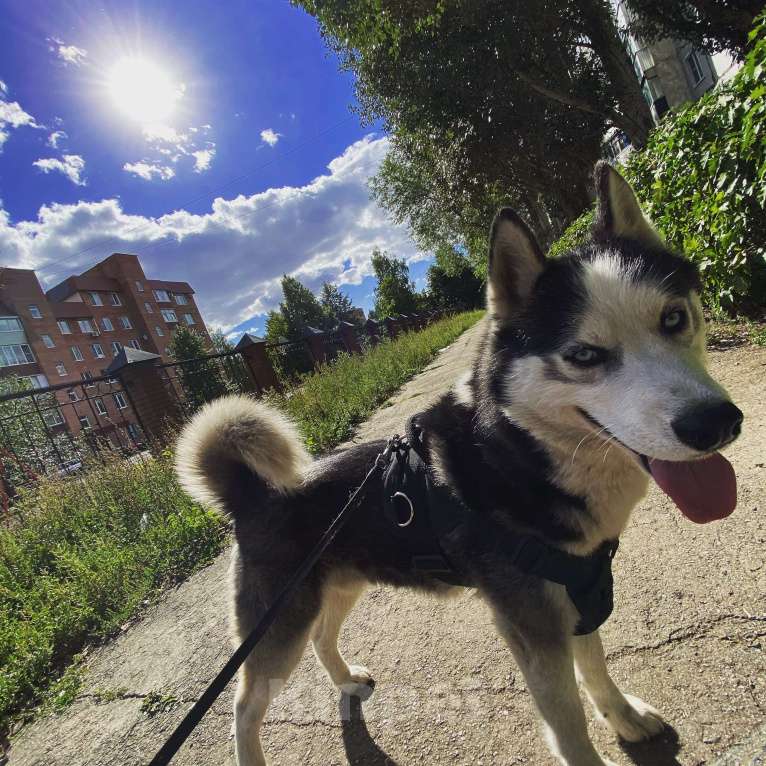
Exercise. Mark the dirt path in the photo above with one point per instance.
(688, 635)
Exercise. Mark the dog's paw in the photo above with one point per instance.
(360, 683)
(634, 720)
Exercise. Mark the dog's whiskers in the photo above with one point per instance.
(584, 438)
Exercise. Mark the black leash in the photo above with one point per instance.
(229, 670)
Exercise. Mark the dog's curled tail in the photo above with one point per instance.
(235, 433)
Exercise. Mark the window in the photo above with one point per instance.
(60, 369)
(17, 353)
(135, 344)
(119, 400)
(84, 421)
(72, 394)
(159, 331)
(125, 322)
(169, 315)
(85, 325)
(10, 324)
(98, 352)
(115, 299)
(37, 381)
(189, 319)
(52, 417)
(695, 67)
(47, 341)
(139, 286)
(134, 433)
(64, 327)
(100, 407)
(161, 296)
(116, 347)
(106, 323)
(181, 299)
(148, 307)
(76, 353)
(87, 376)
(34, 312)
(95, 299)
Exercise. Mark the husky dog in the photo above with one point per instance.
(590, 380)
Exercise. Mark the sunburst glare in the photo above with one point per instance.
(143, 91)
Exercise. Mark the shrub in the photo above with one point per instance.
(702, 179)
(89, 552)
(574, 234)
(329, 403)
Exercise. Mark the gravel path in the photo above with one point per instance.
(688, 635)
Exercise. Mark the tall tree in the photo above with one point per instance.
(301, 309)
(712, 25)
(200, 377)
(395, 292)
(452, 283)
(336, 304)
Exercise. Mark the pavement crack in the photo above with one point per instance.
(687, 633)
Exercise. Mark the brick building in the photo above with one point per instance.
(71, 333)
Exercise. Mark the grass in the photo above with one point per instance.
(330, 403)
(90, 551)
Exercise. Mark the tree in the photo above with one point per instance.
(336, 304)
(486, 99)
(452, 282)
(235, 374)
(712, 25)
(200, 378)
(395, 293)
(301, 309)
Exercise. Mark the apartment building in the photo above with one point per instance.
(671, 72)
(71, 333)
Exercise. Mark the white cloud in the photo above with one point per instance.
(269, 137)
(235, 254)
(148, 171)
(203, 159)
(12, 115)
(69, 54)
(71, 165)
(55, 137)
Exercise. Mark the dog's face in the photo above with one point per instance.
(609, 337)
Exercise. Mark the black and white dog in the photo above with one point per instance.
(590, 380)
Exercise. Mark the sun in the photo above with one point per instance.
(143, 91)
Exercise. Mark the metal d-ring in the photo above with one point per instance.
(412, 509)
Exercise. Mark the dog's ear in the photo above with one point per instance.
(515, 262)
(618, 213)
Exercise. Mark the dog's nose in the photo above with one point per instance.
(708, 426)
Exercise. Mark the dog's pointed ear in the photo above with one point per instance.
(515, 263)
(618, 213)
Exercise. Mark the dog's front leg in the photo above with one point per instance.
(549, 672)
(628, 716)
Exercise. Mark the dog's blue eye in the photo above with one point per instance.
(586, 356)
(674, 321)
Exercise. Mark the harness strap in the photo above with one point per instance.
(425, 513)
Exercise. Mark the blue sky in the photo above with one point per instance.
(214, 140)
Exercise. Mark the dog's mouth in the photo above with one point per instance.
(704, 490)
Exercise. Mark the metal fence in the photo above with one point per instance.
(58, 429)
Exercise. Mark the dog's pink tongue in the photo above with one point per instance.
(704, 490)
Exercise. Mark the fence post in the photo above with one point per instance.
(348, 336)
(372, 328)
(315, 340)
(154, 405)
(253, 351)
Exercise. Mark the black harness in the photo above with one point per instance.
(424, 514)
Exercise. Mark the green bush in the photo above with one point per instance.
(702, 179)
(576, 233)
(89, 552)
(329, 403)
